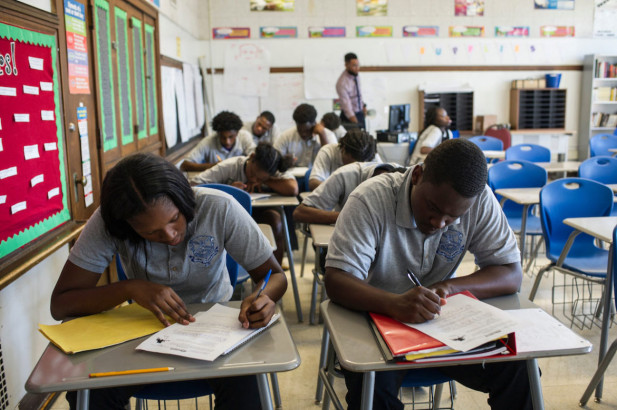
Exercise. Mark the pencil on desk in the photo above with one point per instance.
(136, 371)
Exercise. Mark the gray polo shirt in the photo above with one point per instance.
(376, 238)
(329, 159)
(290, 142)
(195, 269)
(333, 193)
(229, 171)
(269, 136)
(210, 147)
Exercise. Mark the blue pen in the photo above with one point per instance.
(264, 285)
(413, 278)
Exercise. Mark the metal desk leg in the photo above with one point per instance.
(534, 383)
(606, 317)
(83, 399)
(292, 270)
(264, 391)
(368, 387)
(276, 391)
(323, 361)
(523, 231)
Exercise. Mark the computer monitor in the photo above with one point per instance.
(399, 118)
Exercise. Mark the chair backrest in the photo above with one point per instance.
(515, 174)
(529, 152)
(599, 144)
(501, 133)
(487, 143)
(601, 169)
(244, 199)
(614, 259)
(569, 198)
(304, 184)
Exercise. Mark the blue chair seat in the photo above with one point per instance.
(584, 258)
(533, 226)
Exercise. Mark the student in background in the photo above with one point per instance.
(353, 109)
(304, 140)
(323, 205)
(356, 145)
(263, 128)
(436, 123)
(425, 221)
(172, 240)
(264, 167)
(332, 122)
(229, 141)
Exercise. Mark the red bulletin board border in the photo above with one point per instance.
(32, 54)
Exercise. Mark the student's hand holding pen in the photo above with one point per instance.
(257, 309)
(161, 300)
(418, 304)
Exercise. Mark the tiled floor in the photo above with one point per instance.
(563, 379)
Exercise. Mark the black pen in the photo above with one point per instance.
(413, 278)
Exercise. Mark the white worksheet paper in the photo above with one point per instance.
(214, 332)
(465, 323)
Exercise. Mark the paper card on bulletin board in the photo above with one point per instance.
(373, 31)
(372, 7)
(324, 32)
(32, 168)
(469, 8)
(557, 31)
(466, 31)
(76, 47)
(421, 31)
(509, 31)
(219, 33)
(554, 4)
(272, 5)
(278, 32)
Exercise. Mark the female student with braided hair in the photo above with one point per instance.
(436, 123)
(266, 167)
(356, 145)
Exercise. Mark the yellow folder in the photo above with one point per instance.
(103, 329)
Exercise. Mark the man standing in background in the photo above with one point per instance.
(353, 108)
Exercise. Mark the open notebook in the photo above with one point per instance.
(215, 332)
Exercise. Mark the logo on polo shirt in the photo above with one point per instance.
(202, 249)
(451, 244)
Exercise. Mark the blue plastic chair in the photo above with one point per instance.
(529, 152)
(599, 145)
(429, 377)
(610, 353)
(601, 169)
(568, 198)
(487, 143)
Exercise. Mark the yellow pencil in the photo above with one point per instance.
(219, 158)
(137, 371)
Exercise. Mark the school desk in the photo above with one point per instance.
(321, 237)
(271, 351)
(494, 154)
(357, 350)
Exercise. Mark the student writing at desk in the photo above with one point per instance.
(264, 167)
(172, 240)
(229, 141)
(424, 221)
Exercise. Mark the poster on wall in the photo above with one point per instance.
(219, 33)
(605, 16)
(466, 31)
(509, 31)
(421, 31)
(557, 31)
(33, 194)
(326, 32)
(373, 31)
(554, 4)
(469, 8)
(278, 32)
(76, 47)
(372, 7)
(272, 5)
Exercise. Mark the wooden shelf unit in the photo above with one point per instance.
(459, 106)
(538, 108)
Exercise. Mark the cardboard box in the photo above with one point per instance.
(533, 83)
(483, 122)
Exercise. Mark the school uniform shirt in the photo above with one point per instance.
(339, 132)
(431, 137)
(209, 148)
(376, 238)
(290, 142)
(329, 159)
(333, 193)
(269, 136)
(229, 171)
(195, 269)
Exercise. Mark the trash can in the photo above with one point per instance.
(552, 80)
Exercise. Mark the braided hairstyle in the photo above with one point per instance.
(359, 144)
(270, 159)
(459, 163)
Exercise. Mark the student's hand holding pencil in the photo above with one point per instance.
(257, 309)
(417, 305)
(161, 300)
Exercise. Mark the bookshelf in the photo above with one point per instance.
(598, 113)
(459, 106)
(537, 108)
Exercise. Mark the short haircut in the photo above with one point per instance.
(459, 163)
(270, 159)
(350, 56)
(305, 113)
(268, 116)
(331, 121)
(359, 144)
(136, 183)
(226, 121)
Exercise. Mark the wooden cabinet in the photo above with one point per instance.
(459, 106)
(542, 108)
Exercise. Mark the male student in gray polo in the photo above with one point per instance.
(424, 221)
